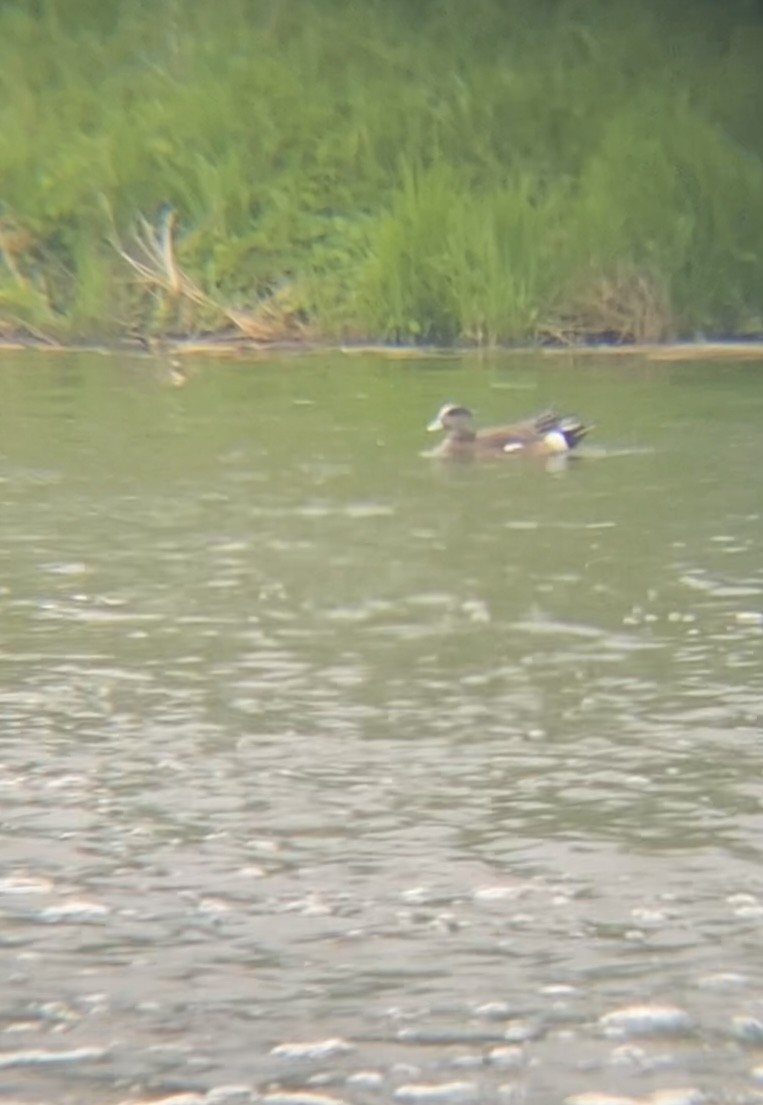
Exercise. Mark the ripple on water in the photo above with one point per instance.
(509, 1056)
(594, 1098)
(747, 1030)
(647, 1020)
(79, 911)
(313, 1049)
(220, 1095)
(300, 1097)
(39, 1057)
(443, 1093)
(672, 1096)
(290, 747)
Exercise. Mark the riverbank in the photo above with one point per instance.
(178, 351)
(549, 174)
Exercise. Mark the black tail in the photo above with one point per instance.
(572, 429)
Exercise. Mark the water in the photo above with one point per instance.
(331, 773)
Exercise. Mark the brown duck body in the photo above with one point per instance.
(544, 435)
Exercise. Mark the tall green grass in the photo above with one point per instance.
(408, 171)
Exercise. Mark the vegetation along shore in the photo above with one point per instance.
(498, 172)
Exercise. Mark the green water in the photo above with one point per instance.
(308, 736)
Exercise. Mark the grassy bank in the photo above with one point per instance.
(529, 170)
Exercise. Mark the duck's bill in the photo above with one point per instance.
(435, 424)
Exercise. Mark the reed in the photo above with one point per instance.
(543, 169)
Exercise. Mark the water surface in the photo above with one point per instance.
(332, 773)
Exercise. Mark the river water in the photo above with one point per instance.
(332, 773)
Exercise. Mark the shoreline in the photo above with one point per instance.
(656, 351)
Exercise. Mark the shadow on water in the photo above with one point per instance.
(333, 773)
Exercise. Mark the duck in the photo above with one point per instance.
(546, 434)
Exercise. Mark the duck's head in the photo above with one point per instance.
(452, 418)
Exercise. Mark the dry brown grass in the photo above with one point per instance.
(625, 305)
(152, 256)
